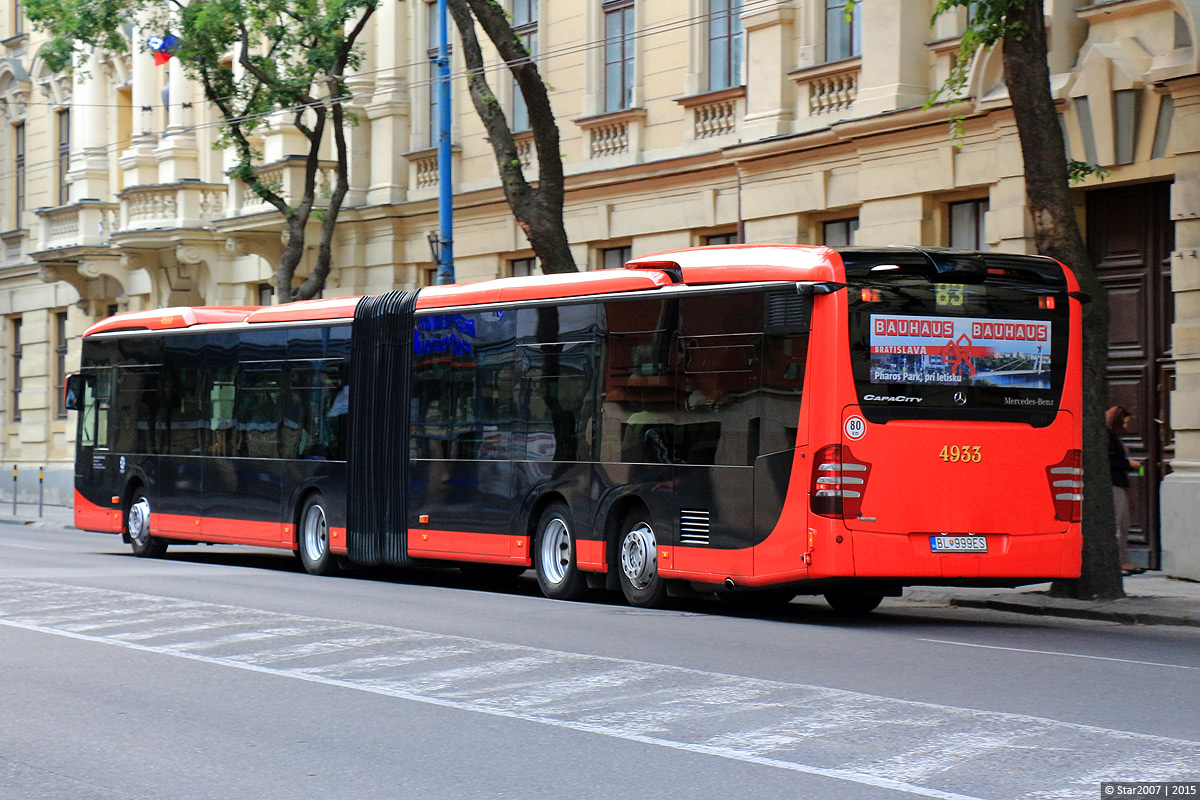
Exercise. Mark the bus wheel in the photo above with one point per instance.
(854, 602)
(637, 552)
(137, 525)
(554, 556)
(312, 539)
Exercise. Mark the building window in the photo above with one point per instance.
(18, 171)
(1162, 127)
(16, 369)
(1083, 114)
(429, 276)
(967, 225)
(64, 155)
(615, 257)
(840, 232)
(1127, 108)
(18, 18)
(525, 26)
(523, 267)
(266, 294)
(721, 238)
(724, 44)
(618, 54)
(60, 361)
(843, 30)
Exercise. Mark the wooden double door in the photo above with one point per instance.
(1130, 239)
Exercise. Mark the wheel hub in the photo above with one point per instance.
(556, 550)
(139, 521)
(316, 533)
(639, 556)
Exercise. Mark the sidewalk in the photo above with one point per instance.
(1152, 598)
(27, 514)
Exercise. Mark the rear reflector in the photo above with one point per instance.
(1066, 486)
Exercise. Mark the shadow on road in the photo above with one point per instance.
(804, 610)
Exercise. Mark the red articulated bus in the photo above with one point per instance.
(755, 421)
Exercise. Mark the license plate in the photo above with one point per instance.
(958, 544)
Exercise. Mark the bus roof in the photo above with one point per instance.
(691, 266)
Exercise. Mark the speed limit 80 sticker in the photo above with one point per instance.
(856, 427)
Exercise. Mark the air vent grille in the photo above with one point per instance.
(787, 311)
(693, 526)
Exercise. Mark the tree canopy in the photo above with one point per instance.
(259, 61)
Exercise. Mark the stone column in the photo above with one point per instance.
(1180, 491)
(89, 123)
(177, 153)
(769, 56)
(389, 109)
(137, 160)
(1009, 227)
(895, 69)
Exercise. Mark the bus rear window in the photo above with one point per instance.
(923, 347)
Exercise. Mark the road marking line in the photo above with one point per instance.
(865, 779)
(1056, 653)
(869, 740)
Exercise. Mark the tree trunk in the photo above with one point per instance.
(539, 211)
(1057, 235)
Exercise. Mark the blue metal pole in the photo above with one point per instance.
(445, 184)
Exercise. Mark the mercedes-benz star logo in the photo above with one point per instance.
(960, 398)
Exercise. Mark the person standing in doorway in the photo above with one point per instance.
(1116, 419)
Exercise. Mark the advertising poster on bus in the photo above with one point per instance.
(960, 351)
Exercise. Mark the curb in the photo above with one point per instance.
(1103, 615)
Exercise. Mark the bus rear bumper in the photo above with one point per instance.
(1036, 555)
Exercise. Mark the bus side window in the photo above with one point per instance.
(314, 419)
(93, 414)
(104, 391)
(137, 402)
(221, 396)
(639, 383)
(556, 390)
(257, 411)
(783, 378)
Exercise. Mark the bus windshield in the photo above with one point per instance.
(986, 343)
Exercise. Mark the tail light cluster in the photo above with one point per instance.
(839, 481)
(1066, 486)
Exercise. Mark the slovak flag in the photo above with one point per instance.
(162, 46)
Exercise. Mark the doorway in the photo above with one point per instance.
(1130, 239)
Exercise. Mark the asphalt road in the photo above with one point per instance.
(229, 673)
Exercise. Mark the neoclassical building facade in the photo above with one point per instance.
(694, 122)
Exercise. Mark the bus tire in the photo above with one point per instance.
(312, 538)
(137, 527)
(637, 562)
(554, 556)
(854, 602)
